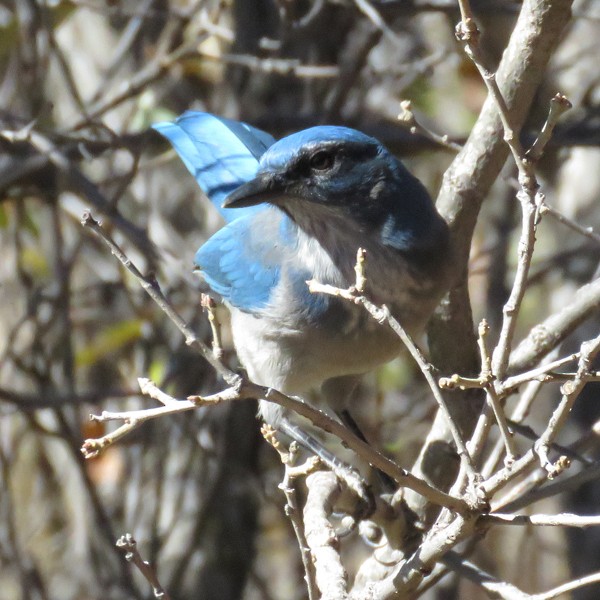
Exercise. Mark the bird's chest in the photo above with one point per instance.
(295, 349)
(302, 339)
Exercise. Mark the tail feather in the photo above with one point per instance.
(221, 154)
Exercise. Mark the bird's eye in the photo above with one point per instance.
(321, 161)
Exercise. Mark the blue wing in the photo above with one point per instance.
(221, 154)
(242, 261)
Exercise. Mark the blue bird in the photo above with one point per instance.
(299, 209)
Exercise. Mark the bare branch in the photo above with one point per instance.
(323, 489)
(128, 545)
(562, 520)
(292, 509)
(152, 288)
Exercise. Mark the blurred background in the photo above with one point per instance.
(81, 82)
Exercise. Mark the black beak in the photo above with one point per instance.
(265, 187)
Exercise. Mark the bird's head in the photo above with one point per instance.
(334, 167)
(326, 174)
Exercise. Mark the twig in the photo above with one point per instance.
(246, 390)
(50, 154)
(279, 66)
(552, 331)
(492, 396)
(559, 104)
(403, 477)
(91, 448)
(565, 588)
(241, 390)
(566, 483)
(518, 414)
(209, 304)
(140, 81)
(466, 183)
(437, 543)
(497, 588)
(128, 545)
(588, 232)
(541, 373)
(468, 33)
(571, 390)
(373, 15)
(407, 118)
(292, 511)
(152, 288)
(130, 33)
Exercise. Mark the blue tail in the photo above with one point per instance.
(221, 154)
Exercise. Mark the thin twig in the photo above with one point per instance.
(279, 66)
(571, 390)
(241, 390)
(468, 33)
(497, 588)
(215, 326)
(139, 81)
(152, 288)
(549, 334)
(588, 232)
(541, 373)
(128, 545)
(373, 15)
(492, 396)
(407, 118)
(559, 104)
(246, 390)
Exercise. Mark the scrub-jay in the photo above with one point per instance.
(298, 209)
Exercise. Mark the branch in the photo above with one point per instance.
(571, 390)
(242, 390)
(292, 511)
(550, 333)
(128, 545)
(152, 288)
(323, 490)
(562, 520)
(246, 390)
(466, 183)
(382, 315)
(408, 119)
(587, 232)
(506, 591)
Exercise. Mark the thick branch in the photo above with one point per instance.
(467, 182)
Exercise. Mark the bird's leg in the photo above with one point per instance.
(339, 393)
(345, 472)
(388, 485)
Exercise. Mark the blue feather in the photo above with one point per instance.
(242, 261)
(221, 154)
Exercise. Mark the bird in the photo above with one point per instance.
(298, 209)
